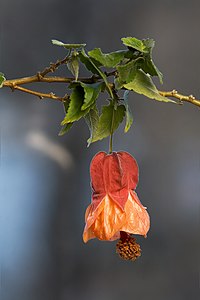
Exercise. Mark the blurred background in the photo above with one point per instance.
(44, 178)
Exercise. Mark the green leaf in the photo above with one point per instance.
(91, 93)
(73, 66)
(92, 120)
(66, 106)
(145, 46)
(149, 44)
(67, 46)
(126, 73)
(129, 116)
(65, 129)
(74, 112)
(135, 44)
(109, 121)
(109, 60)
(147, 65)
(87, 62)
(92, 66)
(103, 76)
(143, 84)
(2, 79)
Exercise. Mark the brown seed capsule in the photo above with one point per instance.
(127, 248)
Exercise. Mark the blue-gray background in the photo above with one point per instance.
(44, 179)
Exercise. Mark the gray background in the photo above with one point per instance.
(44, 179)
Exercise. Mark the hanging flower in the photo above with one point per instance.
(116, 212)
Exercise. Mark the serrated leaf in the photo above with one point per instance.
(67, 46)
(73, 66)
(109, 60)
(134, 43)
(149, 44)
(143, 84)
(91, 93)
(66, 106)
(2, 79)
(109, 121)
(65, 129)
(147, 65)
(87, 62)
(67, 126)
(92, 66)
(103, 76)
(129, 116)
(74, 112)
(92, 120)
(126, 73)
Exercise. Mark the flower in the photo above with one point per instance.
(116, 210)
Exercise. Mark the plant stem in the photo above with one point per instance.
(174, 94)
(111, 144)
(42, 95)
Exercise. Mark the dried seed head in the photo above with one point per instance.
(127, 248)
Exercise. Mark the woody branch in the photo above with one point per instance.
(16, 84)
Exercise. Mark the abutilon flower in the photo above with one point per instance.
(116, 211)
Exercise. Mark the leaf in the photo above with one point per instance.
(103, 76)
(68, 126)
(129, 116)
(143, 84)
(67, 46)
(73, 66)
(74, 112)
(65, 129)
(147, 65)
(135, 44)
(2, 79)
(91, 93)
(149, 44)
(108, 121)
(126, 73)
(87, 62)
(92, 66)
(109, 60)
(145, 46)
(92, 120)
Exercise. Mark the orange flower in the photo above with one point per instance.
(115, 209)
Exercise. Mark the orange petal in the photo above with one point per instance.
(137, 218)
(105, 221)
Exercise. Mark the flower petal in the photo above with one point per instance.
(137, 218)
(105, 221)
(96, 173)
(130, 168)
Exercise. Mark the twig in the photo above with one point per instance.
(42, 95)
(54, 66)
(50, 79)
(174, 94)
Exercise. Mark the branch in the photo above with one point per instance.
(54, 66)
(50, 79)
(42, 95)
(174, 94)
(15, 84)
